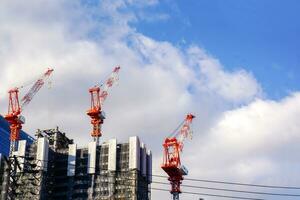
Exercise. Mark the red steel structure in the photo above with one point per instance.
(98, 96)
(15, 108)
(173, 145)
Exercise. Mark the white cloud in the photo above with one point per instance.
(254, 143)
(159, 83)
(239, 86)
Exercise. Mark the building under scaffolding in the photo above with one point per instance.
(115, 171)
(1, 174)
(54, 168)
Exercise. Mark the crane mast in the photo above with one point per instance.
(98, 96)
(173, 145)
(15, 108)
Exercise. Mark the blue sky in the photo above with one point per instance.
(261, 36)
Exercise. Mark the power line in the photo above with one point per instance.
(209, 188)
(213, 181)
(187, 192)
(230, 190)
(214, 195)
(236, 183)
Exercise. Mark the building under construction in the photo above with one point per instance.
(53, 167)
(1, 173)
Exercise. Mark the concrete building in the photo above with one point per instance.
(116, 171)
(53, 167)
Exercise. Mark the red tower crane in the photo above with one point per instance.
(15, 108)
(173, 146)
(98, 96)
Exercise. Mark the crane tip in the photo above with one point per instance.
(190, 116)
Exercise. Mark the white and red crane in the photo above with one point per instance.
(173, 146)
(98, 96)
(15, 108)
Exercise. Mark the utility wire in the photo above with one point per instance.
(201, 187)
(212, 181)
(230, 190)
(185, 192)
(236, 183)
(214, 195)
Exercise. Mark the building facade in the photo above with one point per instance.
(116, 171)
(53, 167)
